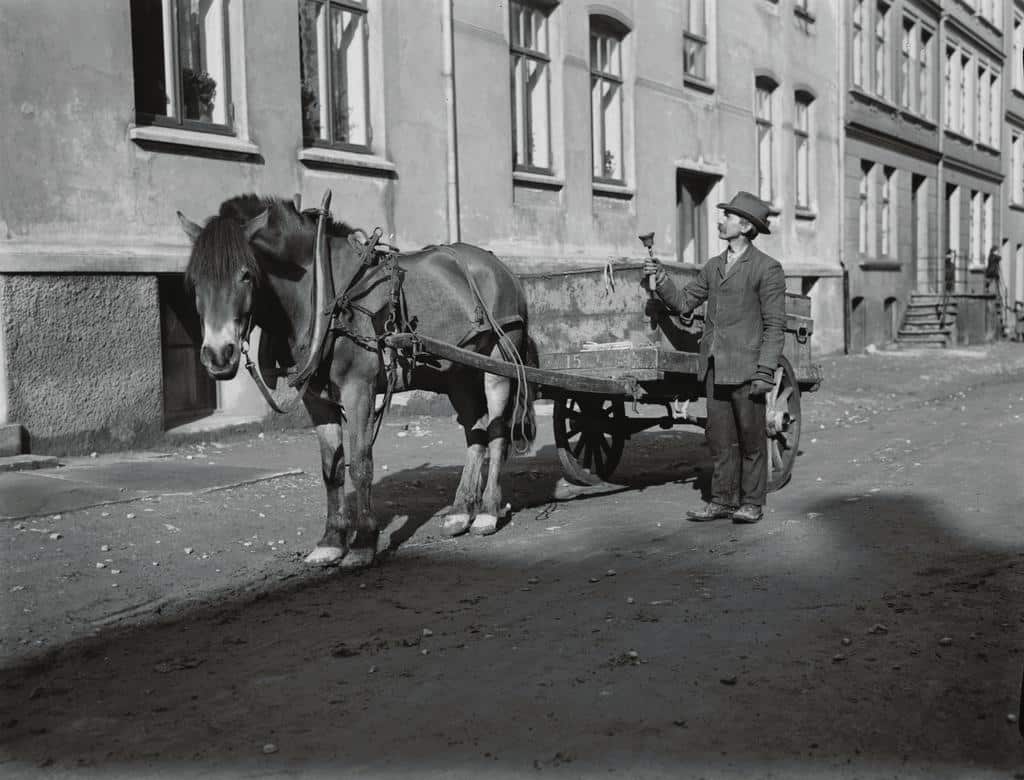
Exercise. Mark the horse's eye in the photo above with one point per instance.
(246, 277)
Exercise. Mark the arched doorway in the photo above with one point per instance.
(892, 319)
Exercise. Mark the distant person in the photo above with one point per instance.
(950, 270)
(745, 291)
(992, 271)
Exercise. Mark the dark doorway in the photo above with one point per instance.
(858, 325)
(692, 190)
(189, 393)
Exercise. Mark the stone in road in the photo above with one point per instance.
(869, 626)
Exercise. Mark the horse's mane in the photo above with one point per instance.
(221, 249)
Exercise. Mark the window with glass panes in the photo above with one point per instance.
(180, 56)
(882, 56)
(1018, 50)
(695, 39)
(802, 153)
(866, 209)
(915, 75)
(1016, 163)
(333, 72)
(606, 99)
(764, 95)
(859, 11)
(531, 87)
(888, 213)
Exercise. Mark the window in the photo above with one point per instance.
(966, 91)
(915, 73)
(883, 66)
(695, 39)
(988, 239)
(859, 12)
(180, 56)
(867, 209)
(975, 230)
(888, 207)
(606, 99)
(1016, 167)
(531, 88)
(1018, 49)
(953, 218)
(764, 96)
(983, 112)
(335, 87)
(994, 108)
(802, 137)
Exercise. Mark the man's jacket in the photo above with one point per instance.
(745, 319)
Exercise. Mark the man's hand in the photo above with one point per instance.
(653, 268)
(763, 381)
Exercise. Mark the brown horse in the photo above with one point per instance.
(254, 263)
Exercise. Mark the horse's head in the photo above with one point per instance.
(223, 273)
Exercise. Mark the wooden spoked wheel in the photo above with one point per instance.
(782, 421)
(589, 434)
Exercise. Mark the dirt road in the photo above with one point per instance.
(869, 626)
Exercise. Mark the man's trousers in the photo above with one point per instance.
(739, 444)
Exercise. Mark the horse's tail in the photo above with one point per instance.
(524, 422)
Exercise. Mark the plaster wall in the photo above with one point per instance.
(83, 359)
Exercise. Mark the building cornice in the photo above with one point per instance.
(963, 166)
(876, 136)
(965, 33)
(19, 256)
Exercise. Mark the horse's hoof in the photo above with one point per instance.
(325, 556)
(358, 558)
(456, 524)
(484, 525)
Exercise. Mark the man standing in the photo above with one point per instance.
(744, 324)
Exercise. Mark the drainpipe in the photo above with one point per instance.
(940, 197)
(452, 147)
(841, 68)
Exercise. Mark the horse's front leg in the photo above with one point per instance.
(357, 397)
(326, 417)
(497, 390)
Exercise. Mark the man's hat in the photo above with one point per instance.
(751, 208)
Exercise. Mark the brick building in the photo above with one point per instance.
(550, 132)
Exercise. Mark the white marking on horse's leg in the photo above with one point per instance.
(358, 558)
(456, 524)
(497, 389)
(325, 556)
(484, 524)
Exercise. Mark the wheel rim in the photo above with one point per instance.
(782, 423)
(589, 436)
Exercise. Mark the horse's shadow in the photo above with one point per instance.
(415, 497)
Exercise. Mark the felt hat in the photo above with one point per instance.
(751, 208)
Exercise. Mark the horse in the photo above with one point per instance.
(255, 263)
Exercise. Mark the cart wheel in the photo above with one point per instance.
(589, 434)
(782, 413)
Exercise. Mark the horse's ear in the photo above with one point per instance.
(256, 224)
(297, 202)
(191, 229)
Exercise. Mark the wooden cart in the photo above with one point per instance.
(606, 347)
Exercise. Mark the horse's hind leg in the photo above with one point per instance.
(468, 399)
(326, 417)
(357, 397)
(497, 389)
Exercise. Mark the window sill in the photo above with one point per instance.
(918, 119)
(804, 14)
(370, 164)
(172, 136)
(958, 136)
(975, 269)
(881, 265)
(699, 84)
(620, 191)
(804, 214)
(1017, 206)
(541, 181)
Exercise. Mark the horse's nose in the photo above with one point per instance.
(218, 358)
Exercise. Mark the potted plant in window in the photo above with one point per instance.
(198, 90)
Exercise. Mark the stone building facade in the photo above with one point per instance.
(933, 100)
(550, 132)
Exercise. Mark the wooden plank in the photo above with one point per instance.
(565, 380)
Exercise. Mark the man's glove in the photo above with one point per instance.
(763, 381)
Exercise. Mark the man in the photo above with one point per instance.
(744, 324)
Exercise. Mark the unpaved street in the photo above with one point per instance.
(869, 626)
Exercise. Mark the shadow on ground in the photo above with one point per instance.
(708, 650)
